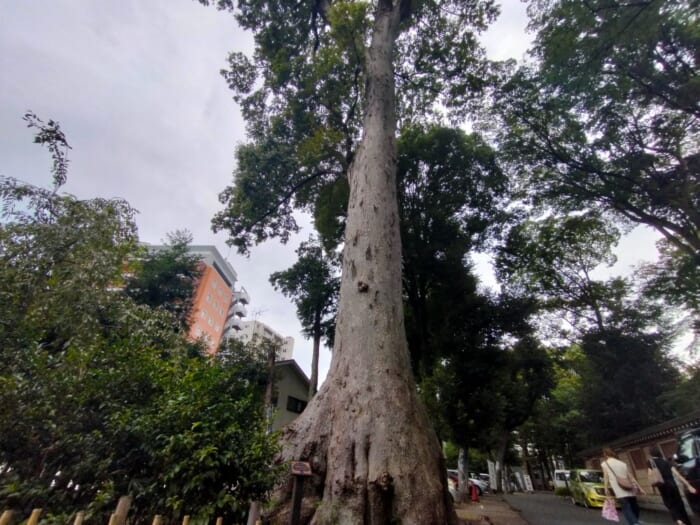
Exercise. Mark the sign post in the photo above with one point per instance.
(300, 470)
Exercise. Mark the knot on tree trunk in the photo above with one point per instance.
(362, 286)
(385, 482)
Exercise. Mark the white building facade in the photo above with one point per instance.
(257, 330)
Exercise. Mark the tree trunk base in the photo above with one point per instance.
(371, 466)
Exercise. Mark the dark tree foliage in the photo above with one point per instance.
(608, 113)
(685, 398)
(625, 375)
(468, 382)
(166, 278)
(558, 426)
(451, 202)
(675, 279)
(99, 395)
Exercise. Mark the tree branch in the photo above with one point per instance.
(285, 198)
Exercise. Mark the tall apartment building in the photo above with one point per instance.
(217, 306)
(251, 330)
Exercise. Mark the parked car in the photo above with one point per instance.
(687, 460)
(587, 487)
(481, 486)
(452, 484)
(484, 478)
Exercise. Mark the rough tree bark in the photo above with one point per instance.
(374, 455)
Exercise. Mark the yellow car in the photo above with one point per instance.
(587, 487)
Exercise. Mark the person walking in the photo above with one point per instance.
(670, 494)
(616, 474)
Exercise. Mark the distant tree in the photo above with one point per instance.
(166, 278)
(627, 371)
(464, 388)
(675, 279)
(685, 397)
(624, 337)
(553, 259)
(313, 284)
(523, 381)
(451, 197)
(558, 427)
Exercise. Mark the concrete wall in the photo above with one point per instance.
(288, 383)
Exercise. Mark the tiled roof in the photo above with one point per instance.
(668, 428)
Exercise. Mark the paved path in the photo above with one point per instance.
(544, 508)
(498, 510)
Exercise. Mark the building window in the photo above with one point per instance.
(295, 405)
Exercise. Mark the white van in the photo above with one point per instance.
(561, 479)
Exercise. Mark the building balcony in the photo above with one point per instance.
(241, 296)
(239, 309)
(234, 324)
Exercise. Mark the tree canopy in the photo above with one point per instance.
(303, 98)
(608, 113)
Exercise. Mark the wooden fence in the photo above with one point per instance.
(118, 517)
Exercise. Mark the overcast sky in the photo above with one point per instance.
(136, 87)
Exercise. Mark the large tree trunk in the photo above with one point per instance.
(374, 456)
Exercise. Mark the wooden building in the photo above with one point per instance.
(635, 449)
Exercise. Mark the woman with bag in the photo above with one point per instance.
(665, 483)
(617, 476)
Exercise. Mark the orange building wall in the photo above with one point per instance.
(211, 303)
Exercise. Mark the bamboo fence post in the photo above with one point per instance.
(5, 517)
(219, 521)
(79, 518)
(157, 520)
(122, 510)
(186, 520)
(34, 518)
(113, 519)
